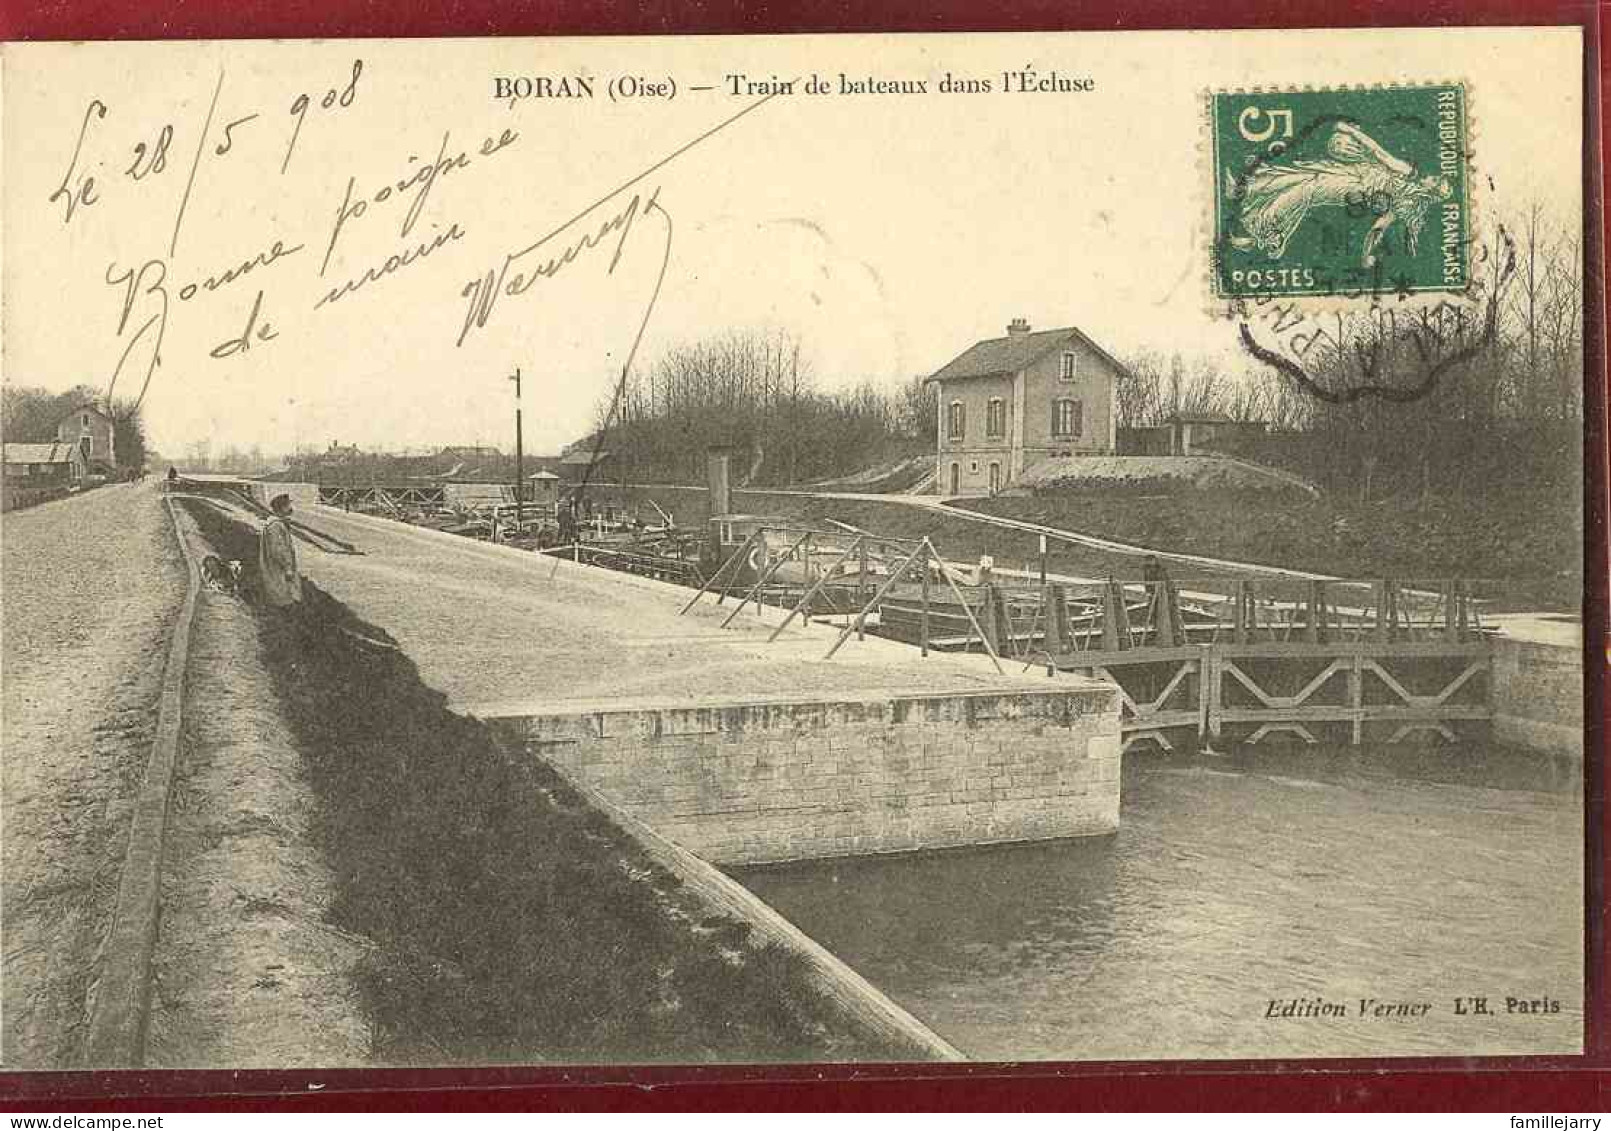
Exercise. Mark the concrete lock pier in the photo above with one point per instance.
(739, 750)
(1538, 684)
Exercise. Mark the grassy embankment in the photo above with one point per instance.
(513, 922)
(1526, 542)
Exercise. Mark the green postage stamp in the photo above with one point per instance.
(1340, 193)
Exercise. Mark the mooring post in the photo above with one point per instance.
(805, 573)
(992, 629)
(1210, 680)
(1356, 693)
(1110, 621)
(1057, 626)
(1004, 616)
(1049, 632)
(1450, 630)
(861, 578)
(1163, 615)
(1116, 619)
(1311, 616)
(1383, 622)
(924, 631)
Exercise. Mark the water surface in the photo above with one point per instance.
(1414, 878)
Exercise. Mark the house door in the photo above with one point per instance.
(956, 479)
(995, 478)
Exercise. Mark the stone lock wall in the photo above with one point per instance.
(1538, 696)
(765, 782)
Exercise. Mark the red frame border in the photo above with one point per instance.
(1518, 1084)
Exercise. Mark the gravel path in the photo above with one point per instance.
(89, 591)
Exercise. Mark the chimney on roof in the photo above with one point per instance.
(1017, 326)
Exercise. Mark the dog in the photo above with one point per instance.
(220, 575)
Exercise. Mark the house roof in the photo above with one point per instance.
(1201, 418)
(997, 357)
(39, 453)
(582, 456)
(543, 475)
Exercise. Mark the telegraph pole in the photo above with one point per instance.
(520, 462)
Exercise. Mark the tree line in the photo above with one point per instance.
(29, 414)
(1440, 396)
(755, 392)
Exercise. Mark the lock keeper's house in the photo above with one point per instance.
(1008, 403)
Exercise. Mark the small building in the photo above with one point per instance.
(543, 487)
(1008, 403)
(56, 464)
(91, 429)
(1155, 440)
(1192, 433)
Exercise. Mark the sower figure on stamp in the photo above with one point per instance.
(279, 583)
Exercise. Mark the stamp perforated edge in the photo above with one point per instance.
(1234, 309)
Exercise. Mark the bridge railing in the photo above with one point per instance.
(1122, 615)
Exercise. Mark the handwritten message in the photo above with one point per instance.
(154, 170)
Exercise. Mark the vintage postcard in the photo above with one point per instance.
(1022, 547)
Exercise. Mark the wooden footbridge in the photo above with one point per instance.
(1235, 657)
(1200, 660)
(1232, 658)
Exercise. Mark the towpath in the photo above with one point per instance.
(93, 584)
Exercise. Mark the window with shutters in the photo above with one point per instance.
(996, 418)
(956, 421)
(1066, 417)
(1066, 372)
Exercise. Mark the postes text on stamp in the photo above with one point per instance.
(1340, 193)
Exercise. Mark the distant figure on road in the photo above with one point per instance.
(173, 476)
(567, 522)
(278, 578)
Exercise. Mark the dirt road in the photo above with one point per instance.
(90, 588)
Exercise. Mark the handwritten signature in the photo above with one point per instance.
(482, 293)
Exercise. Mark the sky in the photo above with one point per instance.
(888, 231)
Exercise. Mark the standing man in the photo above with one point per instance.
(567, 521)
(276, 557)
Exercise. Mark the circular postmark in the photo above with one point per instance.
(1344, 250)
